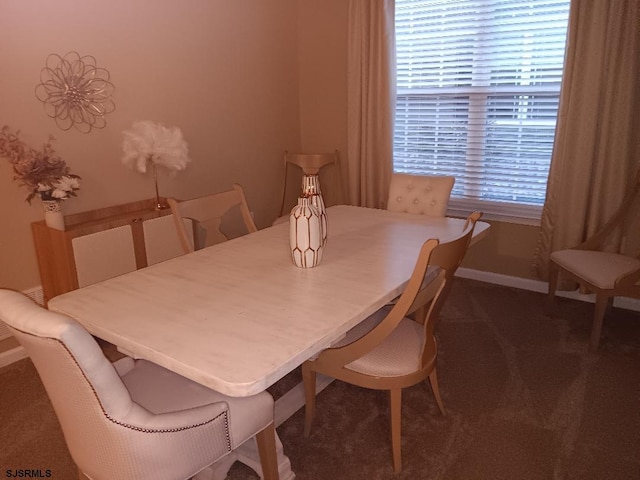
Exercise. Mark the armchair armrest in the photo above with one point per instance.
(139, 418)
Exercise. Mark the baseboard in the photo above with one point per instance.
(540, 287)
(13, 355)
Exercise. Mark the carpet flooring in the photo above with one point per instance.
(525, 400)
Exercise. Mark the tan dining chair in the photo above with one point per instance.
(207, 214)
(420, 194)
(133, 419)
(395, 348)
(309, 164)
(595, 270)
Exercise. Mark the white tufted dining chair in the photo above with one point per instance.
(133, 420)
(420, 194)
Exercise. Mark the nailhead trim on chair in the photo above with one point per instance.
(173, 430)
(134, 427)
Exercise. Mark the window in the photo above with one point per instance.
(478, 83)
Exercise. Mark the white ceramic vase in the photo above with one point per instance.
(311, 189)
(53, 216)
(305, 234)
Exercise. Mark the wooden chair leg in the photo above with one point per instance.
(395, 397)
(609, 308)
(266, 440)
(553, 286)
(602, 302)
(433, 380)
(309, 380)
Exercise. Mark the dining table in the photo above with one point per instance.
(238, 316)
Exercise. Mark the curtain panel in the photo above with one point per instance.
(370, 101)
(597, 141)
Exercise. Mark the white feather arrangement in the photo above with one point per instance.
(148, 142)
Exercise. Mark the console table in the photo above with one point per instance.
(103, 243)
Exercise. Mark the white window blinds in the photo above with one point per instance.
(478, 83)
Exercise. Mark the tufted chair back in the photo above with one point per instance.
(420, 194)
(131, 419)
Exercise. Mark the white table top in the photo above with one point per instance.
(239, 316)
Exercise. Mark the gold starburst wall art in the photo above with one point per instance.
(75, 92)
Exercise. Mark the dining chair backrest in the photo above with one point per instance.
(621, 229)
(420, 194)
(424, 293)
(207, 214)
(449, 256)
(309, 164)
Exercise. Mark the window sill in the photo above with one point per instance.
(501, 212)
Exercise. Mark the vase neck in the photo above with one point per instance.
(311, 185)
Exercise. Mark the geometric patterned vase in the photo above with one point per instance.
(305, 234)
(311, 188)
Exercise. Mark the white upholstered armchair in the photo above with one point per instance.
(132, 419)
(420, 194)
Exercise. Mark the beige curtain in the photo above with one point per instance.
(370, 101)
(597, 143)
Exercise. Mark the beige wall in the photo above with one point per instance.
(508, 250)
(323, 74)
(223, 71)
(243, 79)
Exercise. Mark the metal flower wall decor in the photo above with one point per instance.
(75, 92)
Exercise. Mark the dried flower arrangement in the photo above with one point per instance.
(42, 172)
